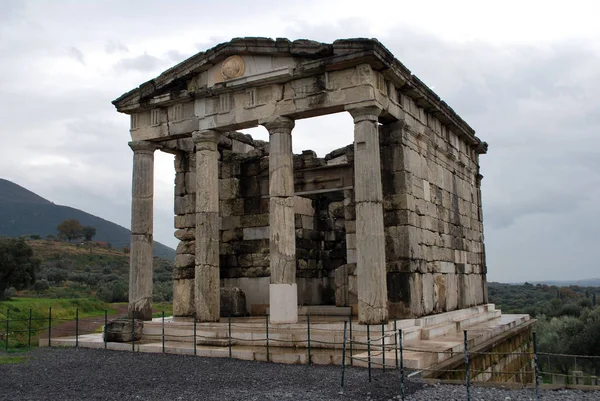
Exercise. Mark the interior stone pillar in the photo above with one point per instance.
(283, 292)
(370, 238)
(207, 297)
(141, 252)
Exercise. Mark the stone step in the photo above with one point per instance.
(458, 324)
(446, 317)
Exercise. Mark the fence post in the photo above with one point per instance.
(467, 376)
(383, 345)
(194, 333)
(105, 326)
(132, 331)
(369, 350)
(343, 358)
(401, 364)
(49, 326)
(163, 331)
(229, 334)
(77, 327)
(535, 365)
(396, 341)
(308, 324)
(267, 331)
(7, 326)
(351, 341)
(29, 329)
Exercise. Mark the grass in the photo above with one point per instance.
(62, 310)
(167, 307)
(12, 359)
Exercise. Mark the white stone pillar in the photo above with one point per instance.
(141, 254)
(207, 297)
(370, 238)
(283, 292)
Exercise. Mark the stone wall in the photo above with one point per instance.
(244, 233)
(432, 216)
(506, 360)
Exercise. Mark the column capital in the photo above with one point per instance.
(206, 140)
(365, 113)
(143, 146)
(278, 124)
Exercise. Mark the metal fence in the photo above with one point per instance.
(381, 344)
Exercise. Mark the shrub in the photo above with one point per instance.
(41, 285)
(10, 292)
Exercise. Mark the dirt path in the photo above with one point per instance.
(87, 325)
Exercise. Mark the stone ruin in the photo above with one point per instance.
(390, 225)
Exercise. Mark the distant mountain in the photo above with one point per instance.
(588, 282)
(22, 212)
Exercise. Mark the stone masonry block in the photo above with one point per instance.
(303, 206)
(229, 188)
(185, 204)
(186, 247)
(253, 233)
(185, 221)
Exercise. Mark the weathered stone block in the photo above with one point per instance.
(183, 297)
(253, 233)
(121, 330)
(185, 221)
(185, 234)
(184, 260)
(303, 206)
(233, 302)
(255, 220)
(230, 222)
(185, 204)
(186, 247)
(231, 235)
(229, 188)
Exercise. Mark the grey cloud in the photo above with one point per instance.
(114, 46)
(143, 63)
(75, 53)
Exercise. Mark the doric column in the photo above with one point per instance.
(370, 238)
(141, 254)
(283, 293)
(207, 297)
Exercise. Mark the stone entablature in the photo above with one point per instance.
(391, 224)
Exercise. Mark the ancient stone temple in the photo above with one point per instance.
(390, 225)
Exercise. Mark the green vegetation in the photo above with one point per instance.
(62, 310)
(542, 299)
(73, 271)
(12, 359)
(568, 322)
(17, 264)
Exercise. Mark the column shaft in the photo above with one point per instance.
(207, 296)
(283, 292)
(370, 237)
(141, 252)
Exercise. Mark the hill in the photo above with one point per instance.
(22, 212)
(89, 270)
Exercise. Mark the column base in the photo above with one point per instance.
(283, 303)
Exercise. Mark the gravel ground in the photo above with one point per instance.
(87, 374)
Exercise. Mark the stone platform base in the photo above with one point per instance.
(428, 342)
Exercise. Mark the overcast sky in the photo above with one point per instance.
(524, 74)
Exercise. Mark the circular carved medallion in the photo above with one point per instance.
(233, 67)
